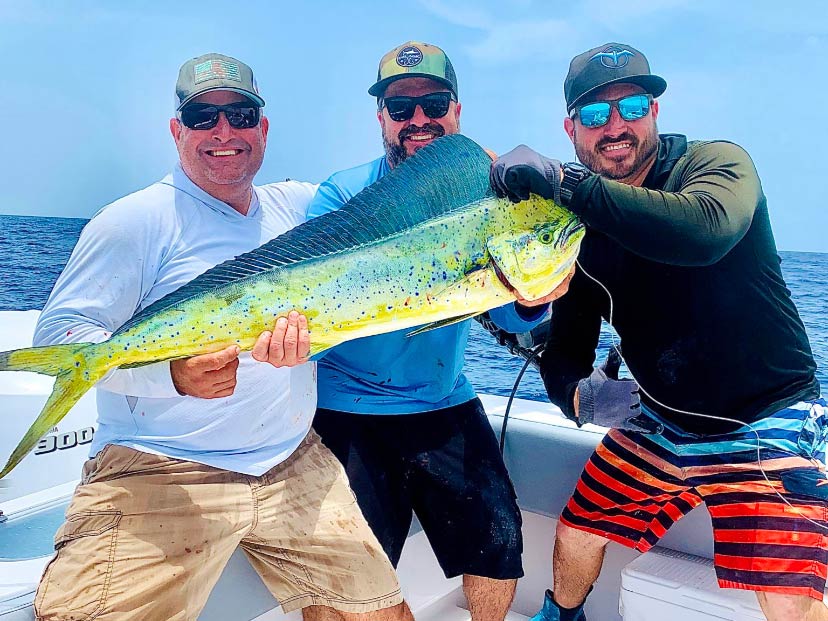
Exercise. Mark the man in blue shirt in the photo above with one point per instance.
(397, 410)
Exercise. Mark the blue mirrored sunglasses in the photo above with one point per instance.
(598, 113)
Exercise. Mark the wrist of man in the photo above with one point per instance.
(584, 403)
(570, 405)
(572, 174)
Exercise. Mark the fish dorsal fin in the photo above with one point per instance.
(447, 175)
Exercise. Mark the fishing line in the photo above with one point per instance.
(529, 359)
(510, 342)
(617, 348)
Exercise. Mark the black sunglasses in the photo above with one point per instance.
(434, 105)
(240, 115)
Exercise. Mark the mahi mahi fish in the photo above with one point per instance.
(427, 245)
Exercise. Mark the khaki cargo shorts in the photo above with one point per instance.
(146, 537)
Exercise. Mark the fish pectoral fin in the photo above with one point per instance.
(441, 324)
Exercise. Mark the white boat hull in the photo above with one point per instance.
(544, 452)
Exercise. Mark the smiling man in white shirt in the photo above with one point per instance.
(194, 457)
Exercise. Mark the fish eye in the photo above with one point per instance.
(546, 237)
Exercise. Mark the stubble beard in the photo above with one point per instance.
(395, 152)
(234, 178)
(227, 174)
(619, 171)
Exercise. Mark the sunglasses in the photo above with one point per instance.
(434, 105)
(597, 113)
(240, 115)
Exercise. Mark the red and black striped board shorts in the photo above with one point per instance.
(769, 534)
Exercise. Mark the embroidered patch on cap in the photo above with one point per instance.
(409, 56)
(614, 57)
(216, 70)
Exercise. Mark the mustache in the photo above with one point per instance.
(429, 128)
(625, 137)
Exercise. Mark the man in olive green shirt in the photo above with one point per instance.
(679, 256)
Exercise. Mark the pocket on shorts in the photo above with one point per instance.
(77, 579)
(814, 431)
(110, 462)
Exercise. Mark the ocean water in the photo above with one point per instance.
(34, 250)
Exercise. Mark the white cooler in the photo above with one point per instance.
(665, 585)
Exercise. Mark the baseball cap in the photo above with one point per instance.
(607, 64)
(214, 72)
(412, 60)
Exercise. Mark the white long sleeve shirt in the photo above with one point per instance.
(134, 252)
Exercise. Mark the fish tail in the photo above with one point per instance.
(73, 378)
(48, 360)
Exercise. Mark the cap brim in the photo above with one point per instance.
(378, 89)
(653, 84)
(251, 96)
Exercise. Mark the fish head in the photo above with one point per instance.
(536, 259)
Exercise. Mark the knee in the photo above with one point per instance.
(781, 607)
(574, 538)
(319, 613)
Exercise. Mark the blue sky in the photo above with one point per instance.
(96, 79)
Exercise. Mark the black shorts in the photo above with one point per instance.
(444, 466)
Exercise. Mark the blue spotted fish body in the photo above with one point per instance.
(427, 244)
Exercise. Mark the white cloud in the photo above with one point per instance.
(543, 31)
(24, 13)
(502, 40)
(816, 44)
(796, 17)
(38, 12)
(467, 15)
(635, 10)
(542, 41)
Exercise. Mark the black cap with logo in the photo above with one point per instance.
(607, 64)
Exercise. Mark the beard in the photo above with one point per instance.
(395, 151)
(624, 169)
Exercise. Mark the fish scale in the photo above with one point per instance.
(426, 244)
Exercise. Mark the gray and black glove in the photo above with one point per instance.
(605, 400)
(521, 171)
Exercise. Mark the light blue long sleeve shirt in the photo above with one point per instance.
(134, 252)
(393, 373)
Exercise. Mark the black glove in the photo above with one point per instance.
(605, 400)
(521, 171)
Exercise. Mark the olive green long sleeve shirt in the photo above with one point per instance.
(705, 319)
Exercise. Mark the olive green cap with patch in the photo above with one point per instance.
(215, 72)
